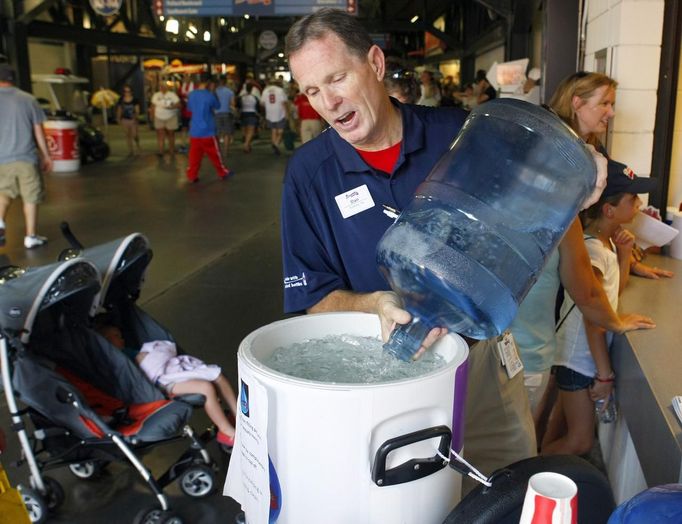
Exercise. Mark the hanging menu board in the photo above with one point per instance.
(249, 7)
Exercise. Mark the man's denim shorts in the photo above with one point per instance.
(569, 380)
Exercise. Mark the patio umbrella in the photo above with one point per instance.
(154, 63)
(104, 99)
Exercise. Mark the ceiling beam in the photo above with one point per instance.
(31, 14)
(122, 40)
(501, 7)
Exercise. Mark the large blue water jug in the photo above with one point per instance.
(479, 229)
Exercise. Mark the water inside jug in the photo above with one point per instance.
(480, 228)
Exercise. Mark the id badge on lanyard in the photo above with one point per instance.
(509, 354)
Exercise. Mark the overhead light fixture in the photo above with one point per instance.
(222, 21)
(193, 29)
(189, 34)
(172, 26)
(207, 36)
(233, 29)
(162, 18)
(414, 19)
(246, 17)
(281, 55)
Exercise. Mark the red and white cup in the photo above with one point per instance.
(551, 498)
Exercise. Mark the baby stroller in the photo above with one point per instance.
(122, 264)
(88, 404)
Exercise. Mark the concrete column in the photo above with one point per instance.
(560, 37)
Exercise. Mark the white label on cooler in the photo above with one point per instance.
(248, 478)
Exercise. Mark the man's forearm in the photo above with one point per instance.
(344, 300)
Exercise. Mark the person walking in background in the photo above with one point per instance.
(202, 133)
(275, 102)
(466, 98)
(249, 118)
(531, 87)
(310, 121)
(185, 88)
(22, 149)
(403, 86)
(127, 114)
(165, 105)
(255, 86)
(224, 116)
(430, 91)
(484, 89)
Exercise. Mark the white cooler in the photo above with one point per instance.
(351, 453)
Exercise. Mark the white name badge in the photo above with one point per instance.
(509, 355)
(354, 201)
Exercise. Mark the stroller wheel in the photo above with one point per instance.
(197, 481)
(87, 470)
(35, 504)
(55, 493)
(157, 516)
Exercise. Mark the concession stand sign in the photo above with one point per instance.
(248, 7)
(106, 7)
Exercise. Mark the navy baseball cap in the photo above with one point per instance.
(622, 179)
(7, 73)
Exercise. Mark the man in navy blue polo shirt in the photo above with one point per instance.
(343, 189)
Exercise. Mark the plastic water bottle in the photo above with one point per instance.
(609, 414)
(480, 228)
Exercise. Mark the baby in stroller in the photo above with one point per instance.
(179, 375)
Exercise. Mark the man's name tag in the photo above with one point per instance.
(509, 355)
(354, 201)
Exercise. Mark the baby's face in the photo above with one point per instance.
(113, 335)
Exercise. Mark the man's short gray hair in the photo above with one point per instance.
(322, 23)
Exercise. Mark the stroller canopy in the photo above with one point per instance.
(122, 264)
(22, 298)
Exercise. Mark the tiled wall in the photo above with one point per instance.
(630, 31)
(675, 190)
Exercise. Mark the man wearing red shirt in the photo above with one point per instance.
(311, 122)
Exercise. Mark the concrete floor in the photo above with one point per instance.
(215, 277)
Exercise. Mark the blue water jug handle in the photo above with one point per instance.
(406, 339)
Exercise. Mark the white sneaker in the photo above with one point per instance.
(34, 241)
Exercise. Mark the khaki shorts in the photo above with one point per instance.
(498, 425)
(22, 179)
(171, 124)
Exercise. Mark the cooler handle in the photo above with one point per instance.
(412, 469)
